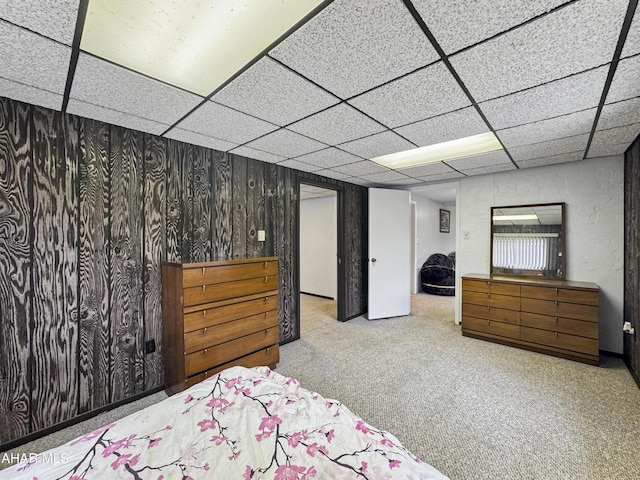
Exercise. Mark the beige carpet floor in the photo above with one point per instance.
(473, 409)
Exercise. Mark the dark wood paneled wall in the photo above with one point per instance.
(87, 213)
(632, 257)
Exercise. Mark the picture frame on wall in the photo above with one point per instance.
(445, 221)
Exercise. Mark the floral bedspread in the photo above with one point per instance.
(240, 424)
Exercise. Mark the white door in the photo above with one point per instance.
(389, 253)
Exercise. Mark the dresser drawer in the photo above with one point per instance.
(211, 357)
(490, 286)
(491, 313)
(560, 324)
(221, 291)
(573, 343)
(266, 356)
(224, 332)
(216, 315)
(208, 275)
(491, 300)
(490, 326)
(570, 295)
(587, 313)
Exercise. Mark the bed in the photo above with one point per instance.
(239, 424)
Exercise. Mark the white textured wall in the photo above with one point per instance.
(430, 240)
(318, 246)
(593, 193)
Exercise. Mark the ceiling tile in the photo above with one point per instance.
(376, 145)
(222, 122)
(338, 124)
(286, 143)
(477, 161)
(625, 82)
(274, 93)
(258, 154)
(105, 84)
(33, 60)
(614, 136)
(383, 177)
(607, 150)
(501, 167)
(632, 44)
(199, 139)
(439, 177)
(428, 169)
(55, 19)
(360, 181)
(460, 23)
(329, 157)
(572, 39)
(619, 114)
(544, 130)
(114, 117)
(568, 95)
(360, 168)
(550, 160)
(406, 181)
(29, 94)
(400, 102)
(297, 165)
(458, 124)
(352, 46)
(576, 143)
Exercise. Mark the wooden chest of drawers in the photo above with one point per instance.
(217, 315)
(556, 317)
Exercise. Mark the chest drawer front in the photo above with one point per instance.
(588, 313)
(489, 286)
(491, 300)
(209, 337)
(214, 316)
(490, 326)
(569, 326)
(491, 313)
(573, 343)
(192, 277)
(570, 295)
(211, 357)
(220, 291)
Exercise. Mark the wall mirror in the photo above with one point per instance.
(528, 240)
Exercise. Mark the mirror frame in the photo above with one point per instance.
(533, 273)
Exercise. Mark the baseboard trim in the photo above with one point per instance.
(75, 420)
(316, 295)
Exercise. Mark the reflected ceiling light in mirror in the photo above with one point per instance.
(459, 148)
(515, 217)
(193, 44)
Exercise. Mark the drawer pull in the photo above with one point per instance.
(556, 290)
(266, 299)
(203, 270)
(266, 314)
(266, 279)
(556, 303)
(556, 334)
(204, 331)
(204, 287)
(265, 264)
(206, 350)
(266, 331)
(204, 313)
(556, 319)
(488, 284)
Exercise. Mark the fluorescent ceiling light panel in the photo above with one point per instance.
(516, 217)
(461, 147)
(192, 44)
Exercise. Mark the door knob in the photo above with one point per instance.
(373, 260)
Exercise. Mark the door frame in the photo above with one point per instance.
(341, 285)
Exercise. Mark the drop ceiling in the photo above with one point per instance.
(557, 81)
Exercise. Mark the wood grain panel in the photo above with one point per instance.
(15, 269)
(154, 252)
(239, 178)
(271, 209)
(56, 152)
(94, 346)
(222, 229)
(127, 326)
(355, 250)
(201, 205)
(176, 194)
(255, 207)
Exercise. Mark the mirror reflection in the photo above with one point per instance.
(528, 240)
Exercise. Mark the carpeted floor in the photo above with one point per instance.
(473, 409)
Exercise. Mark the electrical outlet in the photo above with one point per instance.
(149, 346)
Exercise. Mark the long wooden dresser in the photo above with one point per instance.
(217, 315)
(556, 317)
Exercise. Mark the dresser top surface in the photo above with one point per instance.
(543, 282)
(221, 261)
